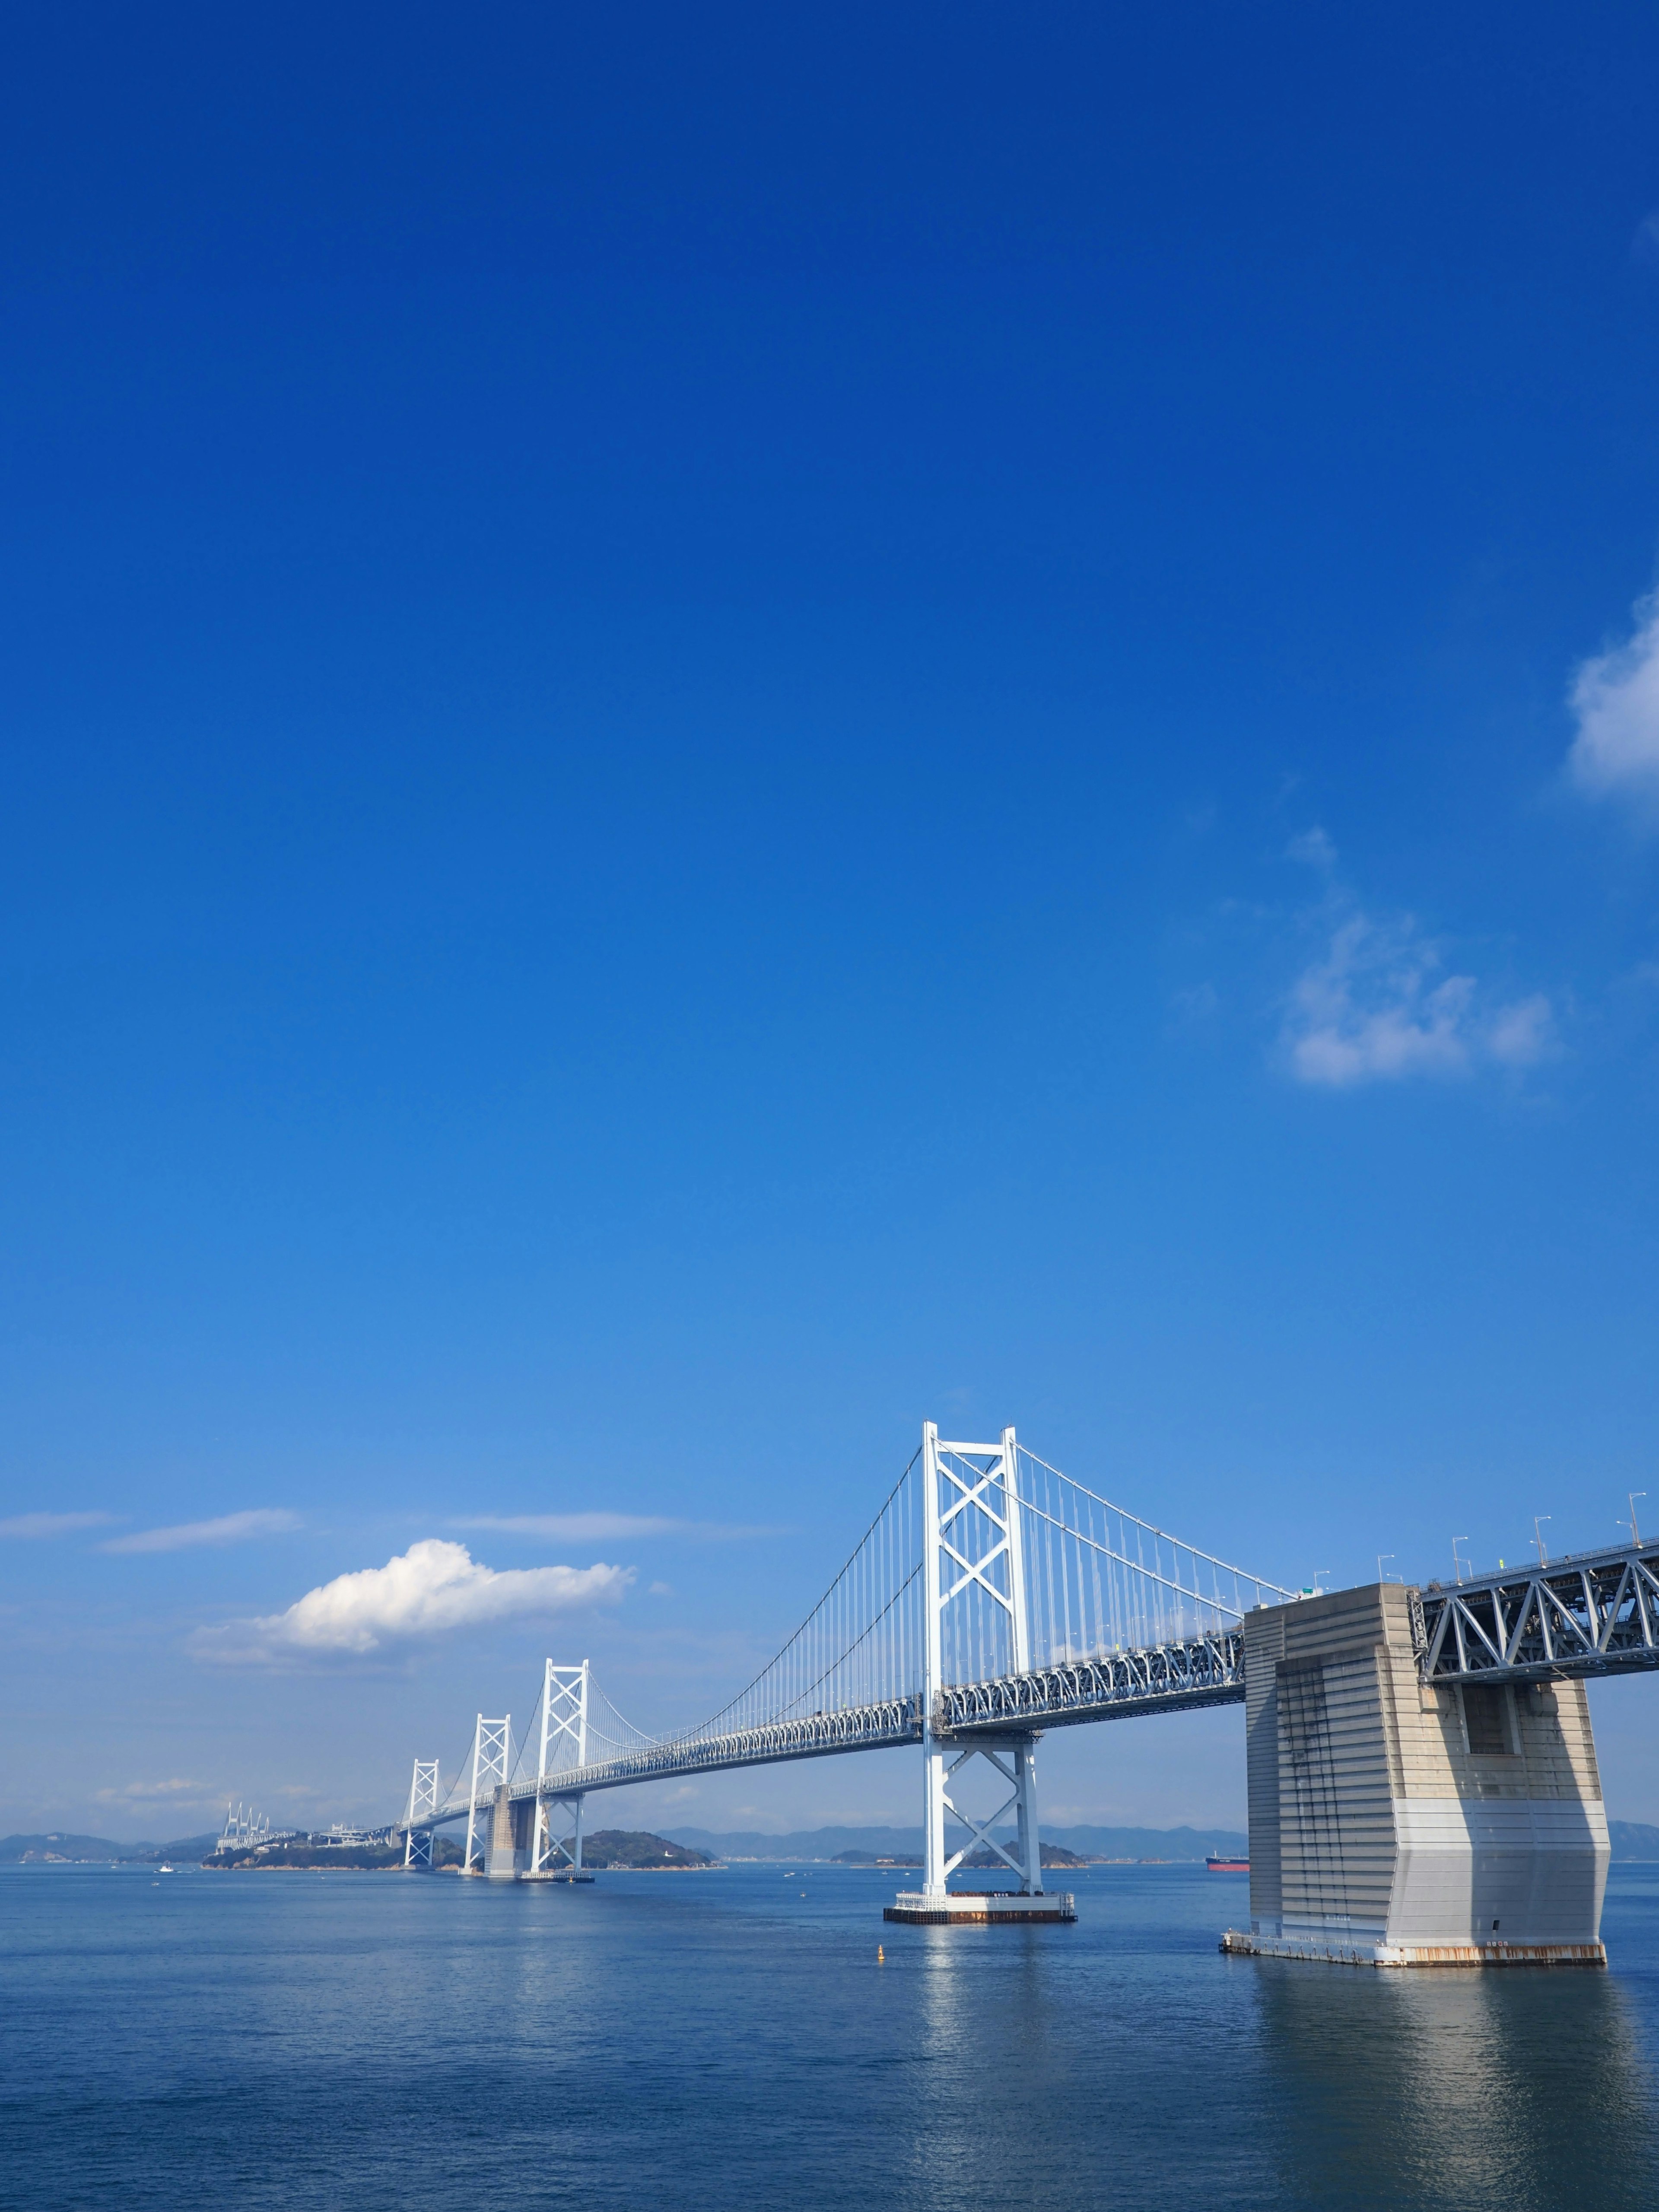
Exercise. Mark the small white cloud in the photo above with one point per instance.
(603, 1528)
(660, 1590)
(176, 1789)
(574, 1527)
(1314, 849)
(52, 1524)
(1371, 1010)
(432, 1588)
(228, 1528)
(1615, 702)
(1522, 1035)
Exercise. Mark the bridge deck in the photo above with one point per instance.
(1170, 1678)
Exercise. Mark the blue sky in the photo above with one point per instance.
(723, 733)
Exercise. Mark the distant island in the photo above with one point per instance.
(622, 1849)
(1087, 1845)
(1062, 1846)
(1052, 1855)
(66, 1849)
(634, 1848)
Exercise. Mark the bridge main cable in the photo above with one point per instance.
(1120, 1618)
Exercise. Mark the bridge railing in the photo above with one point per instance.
(1168, 1677)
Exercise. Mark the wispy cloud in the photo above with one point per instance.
(429, 1590)
(31, 1525)
(177, 1789)
(1615, 702)
(1314, 848)
(228, 1528)
(602, 1528)
(1377, 1005)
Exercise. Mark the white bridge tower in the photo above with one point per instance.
(974, 1602)
(564, 1731)
(492, 1756)
(423, 1801)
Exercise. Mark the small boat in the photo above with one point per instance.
(164, 1869)
(1221, 1863)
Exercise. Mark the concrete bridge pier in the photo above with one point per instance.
(507, 1851)
(1397, 1824)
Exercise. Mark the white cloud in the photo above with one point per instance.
(1615, 702)
(432, 1588)
(52, 1524)
(176, 1789)
(228, 1528)
(600, 1528)
(1522, 1035)
(1376, 1008)
(1314, 848)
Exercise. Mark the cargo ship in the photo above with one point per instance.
(1224, 1863)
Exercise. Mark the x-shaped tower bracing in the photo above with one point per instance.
(973, 1573)
(564, 1741)
(492, 1755)
(423, 1799)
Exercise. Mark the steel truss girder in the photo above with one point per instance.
(1596, 1614)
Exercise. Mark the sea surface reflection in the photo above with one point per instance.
(1445, 2087)
(711, 2041)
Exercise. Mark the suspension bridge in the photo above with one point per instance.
(993, 1598)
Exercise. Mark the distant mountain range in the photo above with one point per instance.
(1630, 1839)
(906, 1843)
(63, 1846)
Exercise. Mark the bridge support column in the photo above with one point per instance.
(1030, 1846)
(511, 1825)
(422, 1801)
(564, 1744)
(546, 1849)
(1394, 1823)
(972, 1554)
(933, 1818)
(492, 1746)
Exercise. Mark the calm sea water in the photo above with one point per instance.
(729, 2040)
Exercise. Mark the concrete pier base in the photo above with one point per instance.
(1239, 1945)
(507, 1852)
(1393, 1824)
(967, 1908)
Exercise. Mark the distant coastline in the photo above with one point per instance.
(696, 1850)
